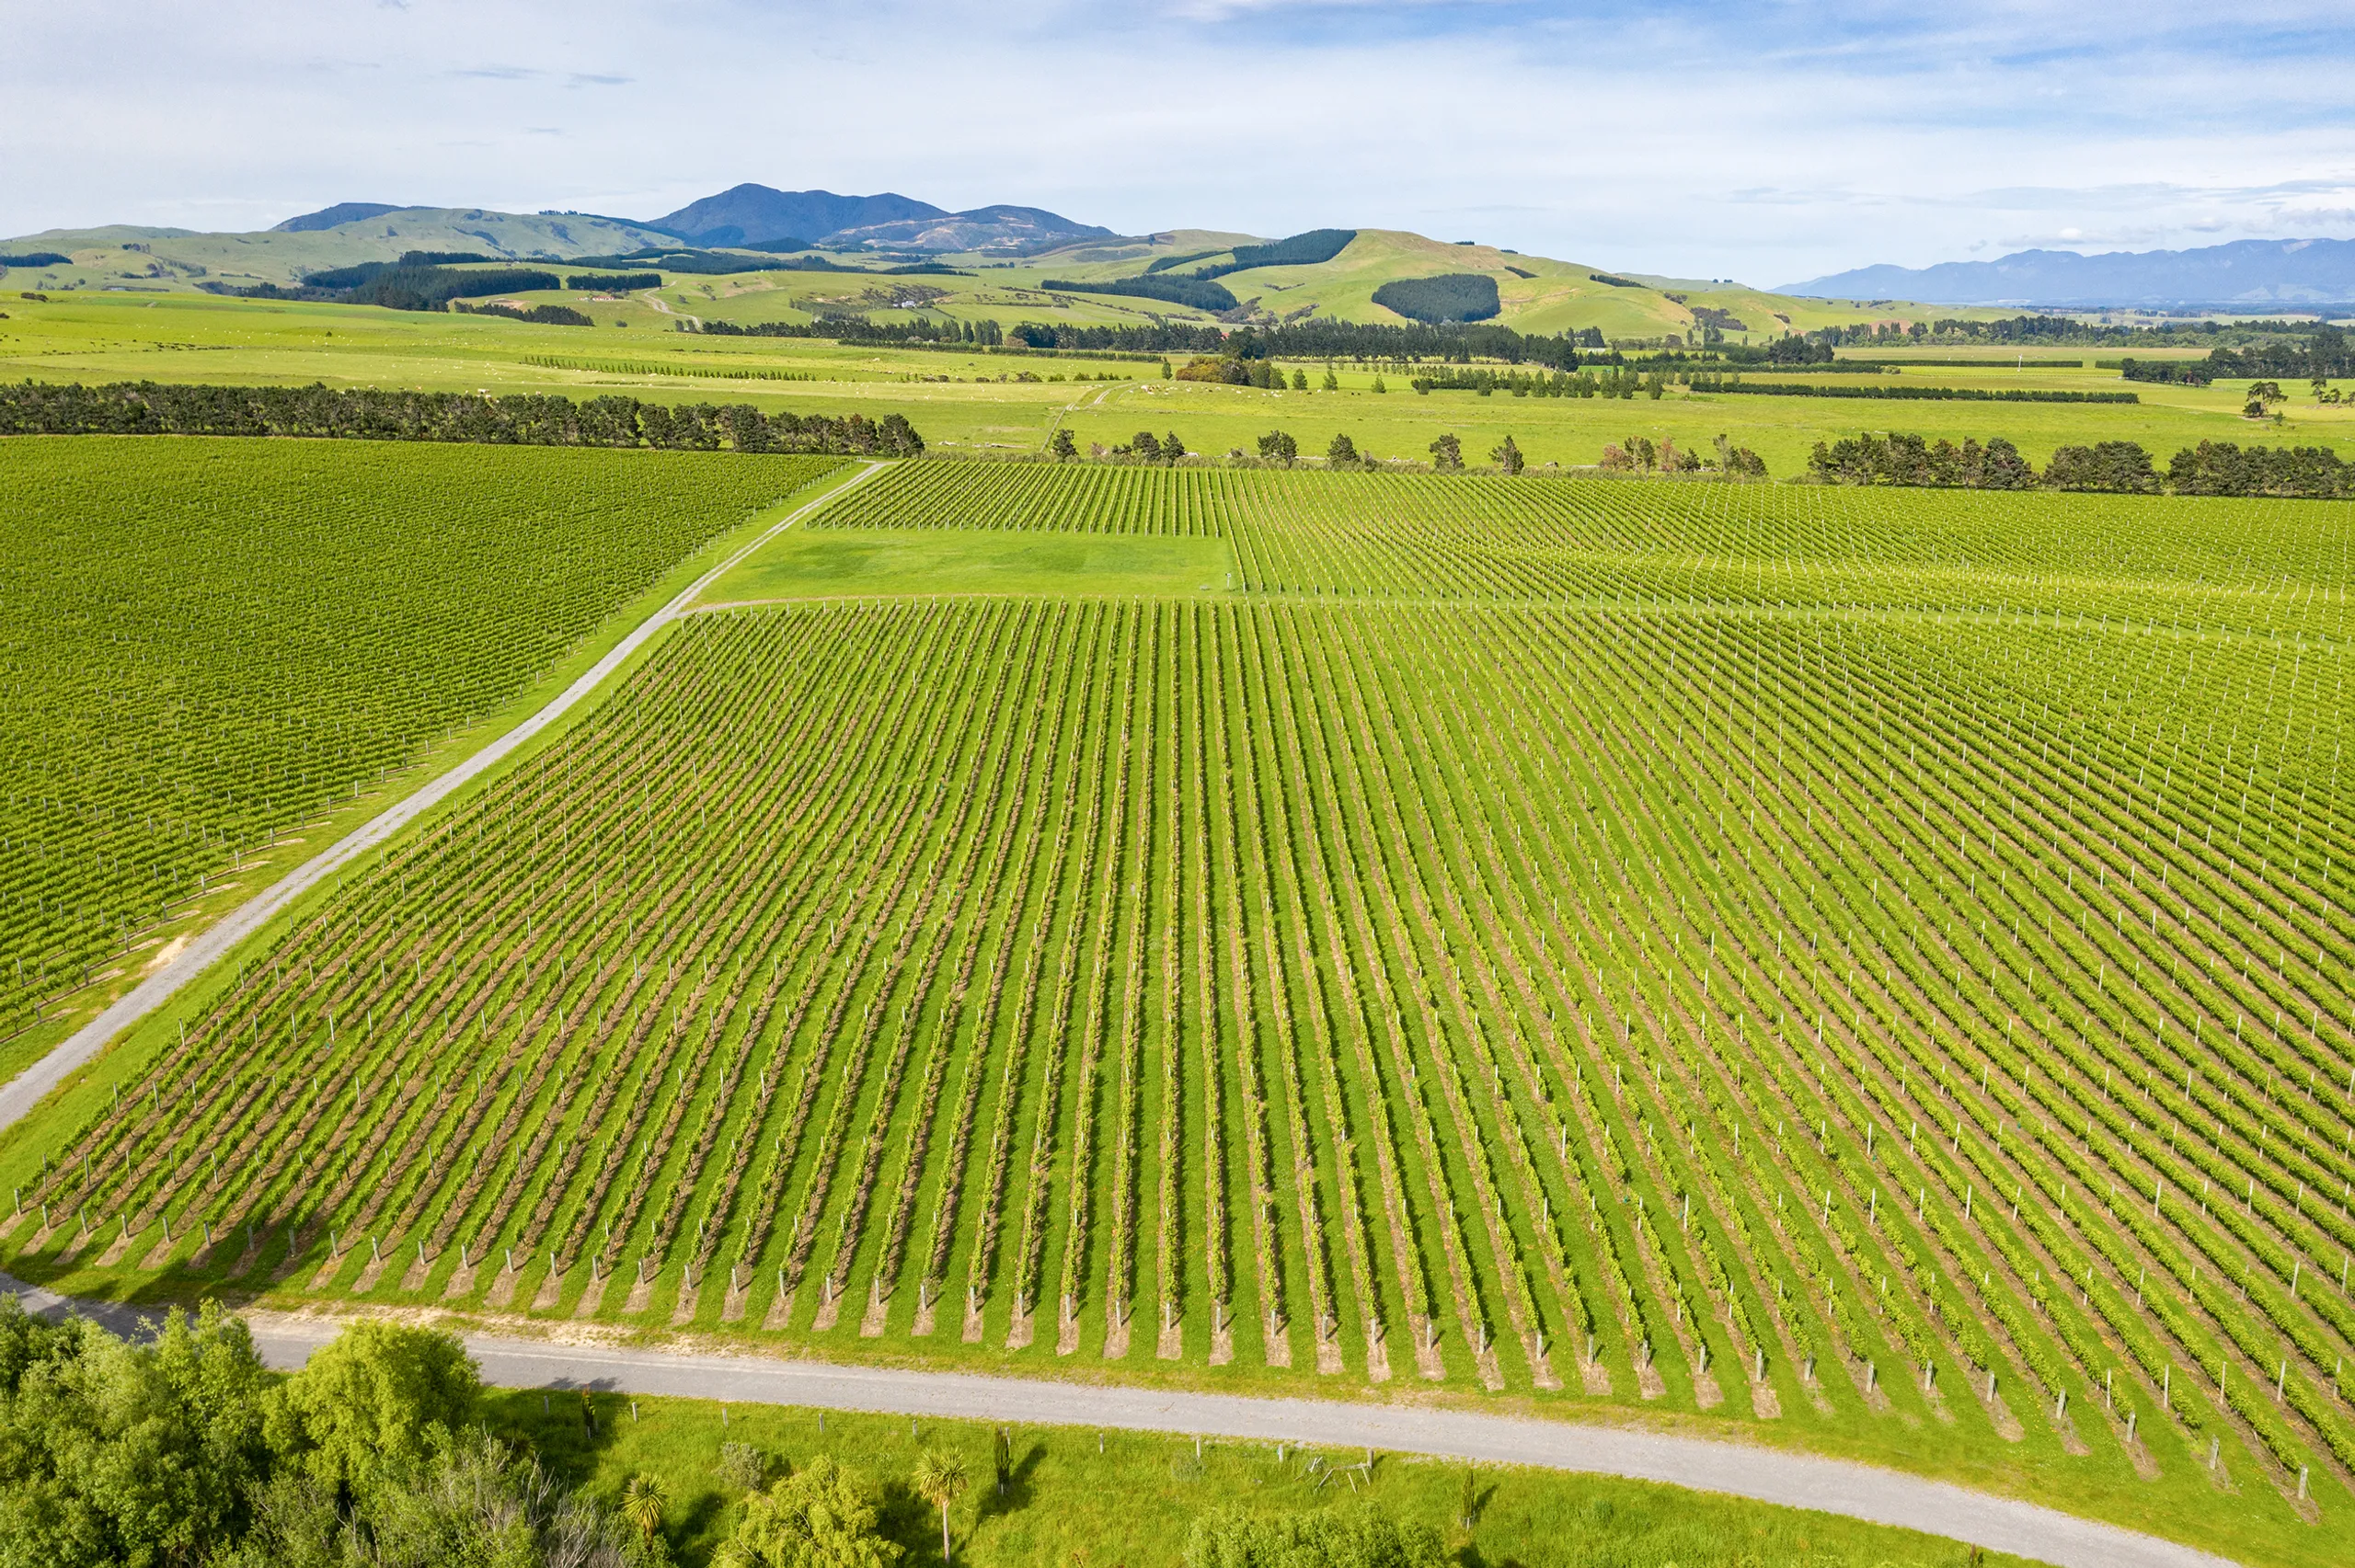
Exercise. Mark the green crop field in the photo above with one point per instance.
(1861, 970)
(208, 643)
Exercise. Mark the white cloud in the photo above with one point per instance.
(1757, 138)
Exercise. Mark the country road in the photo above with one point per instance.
(1765, 1475)
(28, 1088)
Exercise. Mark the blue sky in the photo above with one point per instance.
(1752, 139)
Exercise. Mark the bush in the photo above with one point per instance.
(824, 1517)
(1356, 1535)
(114, 1453)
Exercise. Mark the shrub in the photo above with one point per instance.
(1356, 1535)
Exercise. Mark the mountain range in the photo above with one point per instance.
(759, 214)
(763, 216)
(2242, 274)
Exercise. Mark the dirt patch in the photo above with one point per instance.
(167, 953)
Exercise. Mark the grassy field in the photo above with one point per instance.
(835, 563)
(1084, 1499)
(213, 643)
(1635, 951)
(976, 401)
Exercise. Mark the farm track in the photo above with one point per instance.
(1626, 938)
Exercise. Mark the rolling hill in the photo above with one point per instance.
(126, 257)
(1001, 262)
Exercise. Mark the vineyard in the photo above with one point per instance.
(208, 642)
(1789, 954)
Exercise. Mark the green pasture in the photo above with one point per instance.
(980, 402)
(1400, 423)
(1100, 1499)
(857, 563)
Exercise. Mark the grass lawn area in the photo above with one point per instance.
(865, 563)
(1087, 1499)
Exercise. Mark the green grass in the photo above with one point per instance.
(1131, 1501)
(1763, 929)
(837, 563)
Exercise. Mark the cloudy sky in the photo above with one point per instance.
(1766, 139)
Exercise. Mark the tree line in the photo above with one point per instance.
(1446, 343)
(2324, 354)
(2057, 332)
(131, 408)
(1612, 382)
(1902, 391)
(2211, 468)
(538, 316)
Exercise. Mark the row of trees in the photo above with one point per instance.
(1308, 339)
(1641, 454)
(2055, 331)
(365, 413)
(2211, 468)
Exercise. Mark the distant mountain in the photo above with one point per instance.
(2246, 272)
(757, 214)
(329, 217)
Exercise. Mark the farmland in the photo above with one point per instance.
(989, 402)
(1863, 968)
(208, 643)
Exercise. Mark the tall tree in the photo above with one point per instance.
(373, 1400)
